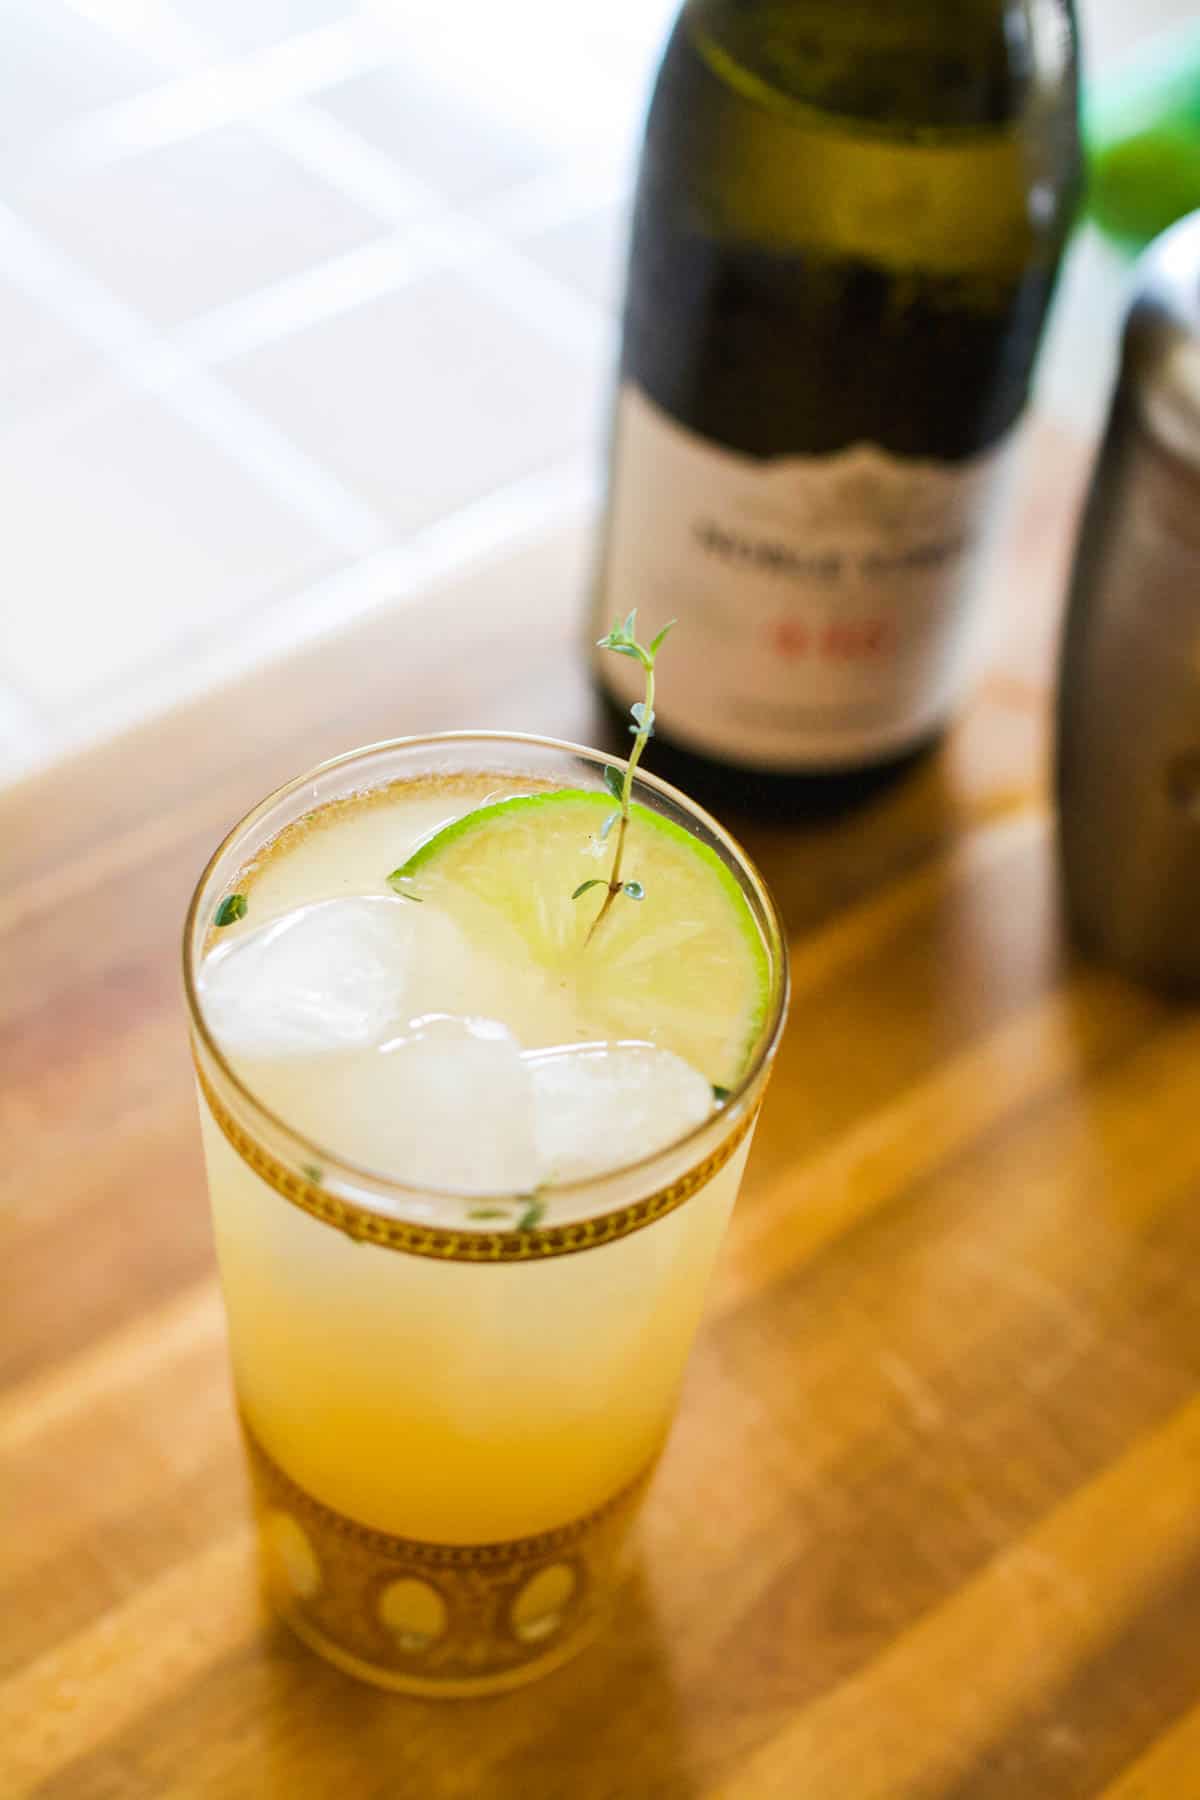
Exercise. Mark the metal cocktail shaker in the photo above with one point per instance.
(1129, 680)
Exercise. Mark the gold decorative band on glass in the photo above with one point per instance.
(447, 1245)
(436, 1617)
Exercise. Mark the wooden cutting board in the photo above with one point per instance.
(929, 1524)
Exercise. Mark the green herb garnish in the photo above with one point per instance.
(313, 1171)
(232, 908)
(721, 1094)
(482, 1213)
(532, 1215)
(622, 641)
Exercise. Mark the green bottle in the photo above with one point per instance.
(848, 222)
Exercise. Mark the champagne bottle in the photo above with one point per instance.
(848, 221)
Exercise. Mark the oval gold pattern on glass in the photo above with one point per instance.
(293, 1555)
(414, 1612)
(541, 1605)
(446, 1613)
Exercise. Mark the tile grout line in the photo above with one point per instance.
(320, 143)
(385, 266)
(225, 91)
(156, 364)
(361, 174)
(322, 291)
(280, 112)
(380, 568)
(507, 519)
(173, 365)
(559, 197)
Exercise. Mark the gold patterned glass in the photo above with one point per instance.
(450, 1424)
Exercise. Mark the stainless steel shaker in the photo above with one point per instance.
(1128, 747)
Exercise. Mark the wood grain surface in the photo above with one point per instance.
(929, 1524)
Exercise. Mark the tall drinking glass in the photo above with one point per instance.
(452, 1406)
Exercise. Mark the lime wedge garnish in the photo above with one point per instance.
(685, 967)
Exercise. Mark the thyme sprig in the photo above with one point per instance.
(622, 640)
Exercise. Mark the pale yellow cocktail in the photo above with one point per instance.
(468, 1178)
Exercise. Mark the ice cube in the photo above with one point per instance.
(447, 1105)
(335, 974)
(598, 1106)
(463, 1107)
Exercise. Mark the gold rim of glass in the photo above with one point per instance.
(395, 1225)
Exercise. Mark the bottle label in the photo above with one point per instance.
(824, 603)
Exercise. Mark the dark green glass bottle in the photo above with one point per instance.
(848, 222)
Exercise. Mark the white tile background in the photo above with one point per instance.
(303, 304)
